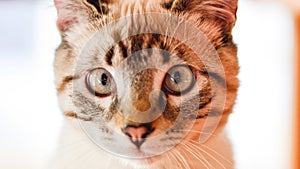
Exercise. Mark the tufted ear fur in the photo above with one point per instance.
(221, 11)
(75, 12)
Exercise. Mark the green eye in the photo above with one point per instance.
(179, 80)
(100, 82)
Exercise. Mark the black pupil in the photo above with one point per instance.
(177, 77)
(104, 79)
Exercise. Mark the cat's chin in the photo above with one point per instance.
(141, 163)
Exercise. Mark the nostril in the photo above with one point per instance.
(137, 134)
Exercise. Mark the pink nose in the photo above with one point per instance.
(137, 134)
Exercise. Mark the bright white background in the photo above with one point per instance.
(260, 126)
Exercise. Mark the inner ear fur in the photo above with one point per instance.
(73, 12)
(221, 11)
(99, 6)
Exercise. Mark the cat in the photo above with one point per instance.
(145, 84)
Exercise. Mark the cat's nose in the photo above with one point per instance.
(138, 133)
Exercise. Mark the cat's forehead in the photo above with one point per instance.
(138, 52)
(136, 41)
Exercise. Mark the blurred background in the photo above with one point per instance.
(261, 126)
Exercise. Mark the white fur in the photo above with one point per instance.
(77, 151)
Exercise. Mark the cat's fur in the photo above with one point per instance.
(82, 50)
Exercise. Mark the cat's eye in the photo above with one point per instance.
(100, 82)
(179, 80)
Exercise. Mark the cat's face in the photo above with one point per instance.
(143, 77)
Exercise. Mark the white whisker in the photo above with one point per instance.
(214, 151)
(198, 156)
(185, 163)
(196, 131)
(207, 153)
(176, 160)
(220, 155)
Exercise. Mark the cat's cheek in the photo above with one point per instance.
(116, 125)
(198, 126)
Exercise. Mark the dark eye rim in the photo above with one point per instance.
(92, 91)
(175, 93)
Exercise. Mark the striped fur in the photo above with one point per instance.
(138, 62)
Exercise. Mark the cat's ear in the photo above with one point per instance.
(73, 12)
(222, 11)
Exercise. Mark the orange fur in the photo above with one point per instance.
(80, 20)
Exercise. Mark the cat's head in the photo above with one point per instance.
(143, 76)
